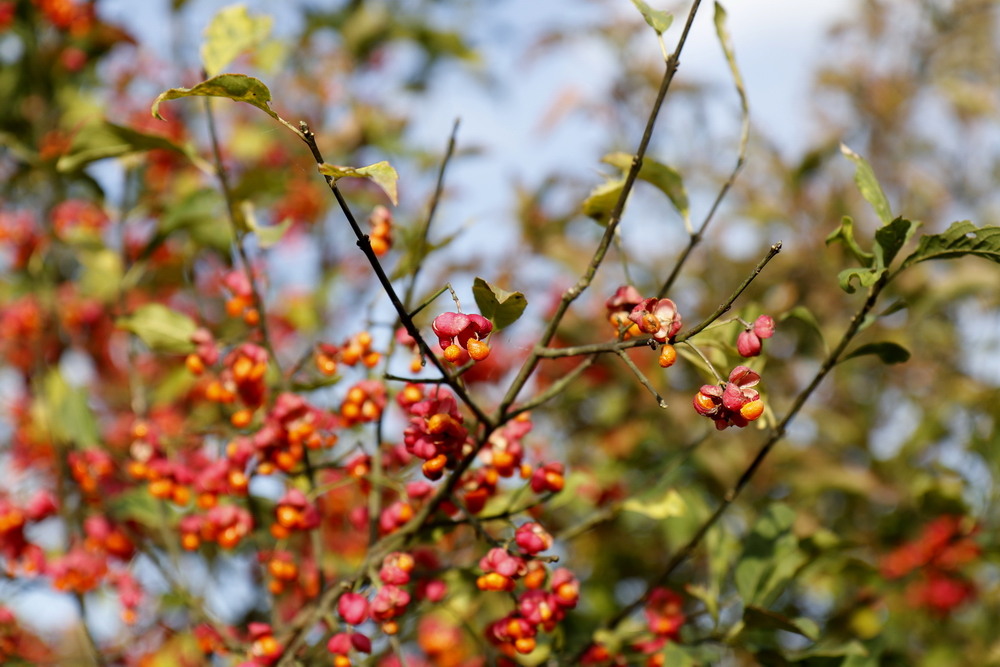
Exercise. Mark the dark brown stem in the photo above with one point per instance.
(366, 247)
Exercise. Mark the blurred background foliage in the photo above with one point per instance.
(877, 455)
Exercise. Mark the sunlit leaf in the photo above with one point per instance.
(868, 185)
(887, 351)
(380, 173)
(238, 87)
(102, 274)
(668, 505)
(160, 328)
(657, 19)
(656, 173)
(602, 199)
(232, 32)
(867, 278)
(962, 238)
(499, 306)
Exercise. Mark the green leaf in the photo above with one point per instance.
(415, 249)
(890, 238)
(758, 618)
(804, 315)
(102, 274)
(602, 199)
(888, 352)
(658, 20)
(867, 278)
(63, 411)
(136, 505)
(107, 140)
(868, 185)
(160, 328)
(845, 234)
(500, 307)
(676, 655)
(232, 32)
(266, 236)
(667, 505)
(709, 598)
(962, 238)
(269, 236)
(238, 87)
(871, 318)
(658, 174)
(771, 556)
(380, 173)
(726, 40)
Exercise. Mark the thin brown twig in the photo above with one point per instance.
(570, 295)
(777, 433)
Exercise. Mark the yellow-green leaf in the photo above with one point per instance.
(102, 274)
(656, 173)
(657, 19)
(232, 32)
(668, 505)
(602, 199)
(160, 328)
(868, 185)
(380, 173)
(238, 87)
(726, 40)
(499, 306)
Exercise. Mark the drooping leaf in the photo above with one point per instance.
(657, 19)
(667, 505)
(845, 234)
(871, 318)
(237, 87)
(415, 249)
(758, 618)
(887, 351)
(656, 173)
(269, 236)
(201, 215)
(770, 558)
(601, 201)
(380, 173)
(709, 598)
(890, 239)
(804, 315)
(868, 185)
(726, 40)
(266, 236)
(160, 328)
(867, 278)
(500, 307)
(107, 140)
(960, 239)
(232, 32)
